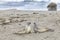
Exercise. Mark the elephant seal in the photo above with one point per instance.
(28, 29)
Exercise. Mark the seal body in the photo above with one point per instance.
(32, 29)
(28, 29)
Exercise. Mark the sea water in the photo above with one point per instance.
(26, 5)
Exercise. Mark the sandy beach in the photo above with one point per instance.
(50, 19)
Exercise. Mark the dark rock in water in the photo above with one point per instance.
(52, 7)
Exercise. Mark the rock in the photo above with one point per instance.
(52, 7)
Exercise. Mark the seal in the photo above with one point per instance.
(28, 29)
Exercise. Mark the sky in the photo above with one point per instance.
(35, 0)
(56, 1)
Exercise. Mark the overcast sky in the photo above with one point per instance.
(35, 0)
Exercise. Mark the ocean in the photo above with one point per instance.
(42, 5)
